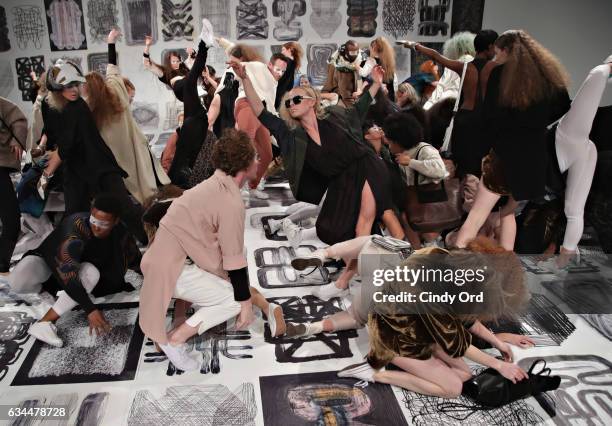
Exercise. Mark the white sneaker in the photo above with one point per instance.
(274, 225)
(362, 371)
(262, 184)
(273, 321)
(207, 35)
(293, 233)
(313, 260)
(258, 194)
(180, 357)
(326, 292)
(303, 329)
(45, 331)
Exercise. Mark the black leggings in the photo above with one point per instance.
(10, 217)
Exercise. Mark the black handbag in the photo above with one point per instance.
(491, 389)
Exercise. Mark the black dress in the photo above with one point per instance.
(347, 165)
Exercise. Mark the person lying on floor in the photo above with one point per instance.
(88, 253)
(212, 236)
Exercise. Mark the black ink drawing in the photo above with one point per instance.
(275, 271)
(325, 345)
(431, 410)
(6, 79)
(467, 16)
(278, 236)
(416, 58)
(140, 20)
(173, 109)
(103, 16)
(97, 62)
(600, 322)
(318, 55)
(28, 26)
(324, 399)
(77, 60)
(432, 15)
(13, 335)
(218, 13)
(362, 17)
(195, 405)
(530, 263)
(288, 28)
(217, 340)
(5, 43)
(67, 400)
(583, 296)
(24, 66)
(146, 115)
(177, 20)
(252, 20)
(92, 408)
(325, 18)
(66, 25)
(398, 17)
(585, 393)
(87, 358)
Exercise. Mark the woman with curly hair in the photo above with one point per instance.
(526, 93)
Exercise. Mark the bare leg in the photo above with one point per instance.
(51, 316)
(367, 212)
(393, 224)
(411, 234)
(483, 204)
(507, 232)
(260, 301)
(180, 312)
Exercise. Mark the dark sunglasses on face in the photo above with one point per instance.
(296, 100)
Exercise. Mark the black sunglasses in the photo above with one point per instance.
(296, 100)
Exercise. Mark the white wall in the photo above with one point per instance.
(579, 32)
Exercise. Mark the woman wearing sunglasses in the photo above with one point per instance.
(324, 150)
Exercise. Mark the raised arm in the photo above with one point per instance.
(456, 66)
(146, 59)
(251, 95)
(110, 40)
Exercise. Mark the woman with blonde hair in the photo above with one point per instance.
(525, 94)
(382, 53)
(406, 96)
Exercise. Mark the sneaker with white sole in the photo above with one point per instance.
(180, 357)
(315, 259)
(303, 329)
(275, 225)
(326, 292)
(46, 331)
(362, 371)
(276, 320)
(293, 233)
(256, 193)
(207, 35)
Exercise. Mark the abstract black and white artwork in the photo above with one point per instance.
(28, 26)
(7, 297)
(97, 62)
(146, 114)
(583, 295)
(68, 401)
(467, 15)
(585, 393)
(362, 17)
(140, 20)
(158, 147)
(288, 28)
(218, 13)
(65, 24)
(102, 16)
(5, 43)
(530, 263)
(325, 18)
(275, 271)
(600, 322)
(177, 20)
(24, 66)
(92, 409)
(252, 20)
(87, 358)
(433, 15)
(195, 405)
(318, 55)
(13, 335)
(6, 79)
(325, 399)
(173, 109)
(334, 345)
(398, 17)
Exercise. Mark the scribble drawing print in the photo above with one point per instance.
(432, 14)
(28, 26)
(585, 393)
(146, 114)
(195, 405)
(97, 62)
(362, 17)
(177, 20)
(103, 16)
(13, 335)
(398, 17)
(251, 20)
(67, 400)
(65, 20)
(140, 20)
(6, 87)
(318, 54)
(218, 13)
(5, 43)
(288, 28)
(324, 346)
(24, 66)
(600, 322)
(92, 409)
(325, 17)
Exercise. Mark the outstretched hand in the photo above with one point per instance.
(114, 34)
(407, 43)
(148, 40)
(378, 74)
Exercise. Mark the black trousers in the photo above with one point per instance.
(10, 218)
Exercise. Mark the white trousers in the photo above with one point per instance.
(212, 297)
(576, 153)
